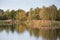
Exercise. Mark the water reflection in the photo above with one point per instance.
(49, 34)
(37, 33)
(21, 28)
(45, 34)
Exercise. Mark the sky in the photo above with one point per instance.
(27, 4)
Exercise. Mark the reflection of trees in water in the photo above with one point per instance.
(20, 28)
(48, 34)
(58, 34)
(45, 34)
(34, 32)
(7, 28)
(1, 29)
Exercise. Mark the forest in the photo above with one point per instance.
(44, 13)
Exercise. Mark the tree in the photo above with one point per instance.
(36, 11)
(1, 14)
(53, 11)
(31, 14)
(7, 14)
(34, 14)
(44, 14)
(21, 15)
(13, 14)
(58, 16)
(49, 13)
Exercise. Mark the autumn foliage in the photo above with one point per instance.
(45, 13)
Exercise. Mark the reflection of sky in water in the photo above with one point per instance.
(17, 36)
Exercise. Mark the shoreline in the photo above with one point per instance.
(39, 24)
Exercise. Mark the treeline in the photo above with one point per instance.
(45, 13)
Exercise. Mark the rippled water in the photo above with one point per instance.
(21, 32)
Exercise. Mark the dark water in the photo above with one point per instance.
(22, 32)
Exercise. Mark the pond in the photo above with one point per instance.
(21, 32)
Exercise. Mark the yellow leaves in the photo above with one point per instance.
(48, 13)
(20, 28)
(21, 15)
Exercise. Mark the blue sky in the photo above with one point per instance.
(26, 4)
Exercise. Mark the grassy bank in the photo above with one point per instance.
(43, 23)
(33, 23)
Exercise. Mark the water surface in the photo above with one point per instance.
(21, 32)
